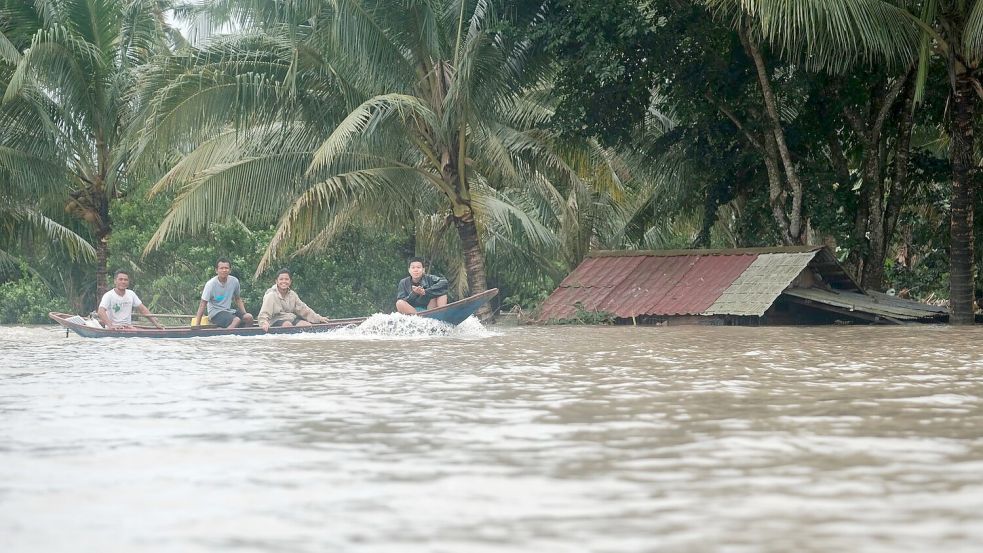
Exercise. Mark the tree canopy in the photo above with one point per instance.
(503, 140)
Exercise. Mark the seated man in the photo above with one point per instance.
(420, 291)
(116, 307)
(282, 306)
(218, 295)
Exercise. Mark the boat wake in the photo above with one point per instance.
(396, 325)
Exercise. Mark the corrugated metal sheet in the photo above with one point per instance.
(698, 252)
(709, 277)
(637, 285)
(587, 286)
(754, 291)
(715, 282)
(561, 304)
(641, 291)
(875, 303)
(677, 285)
(598, 272)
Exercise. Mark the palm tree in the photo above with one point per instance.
(23, 220)
(329, 113)
(68, 105)
(837, 34)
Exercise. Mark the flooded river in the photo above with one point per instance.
(555, 439)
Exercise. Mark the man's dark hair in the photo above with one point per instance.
(120, 272)
(223, 260)
(415, 259)
(284, 271)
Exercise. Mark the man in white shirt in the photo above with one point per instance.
(116, 307)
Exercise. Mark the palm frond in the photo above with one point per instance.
(367, 47)
(366, 117)
(511, 220)
(8, 51)
(142, 36)
(32, 175)
(973, 33)
(25, 224)
(828, 35)
(255, 189)
(63, 62)
(327, 204)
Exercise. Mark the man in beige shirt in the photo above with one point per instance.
(282, 306)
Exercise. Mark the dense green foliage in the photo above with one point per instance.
(28, 300)
(502, 139)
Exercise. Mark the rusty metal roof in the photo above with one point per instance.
(743, 282)
(601, 273)
(680, 285)
(727, 251)
(646, 283)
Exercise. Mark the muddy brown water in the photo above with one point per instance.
(403, 438)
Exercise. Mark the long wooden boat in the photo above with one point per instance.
(453, 313)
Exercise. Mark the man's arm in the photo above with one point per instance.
(146, 312)
(403, 292)
(438, 287)
(308, 314)
(104, 317)
(201, 311)
(241, 304)
(266, 312)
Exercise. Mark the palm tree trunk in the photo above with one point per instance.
(474, 258)
(102, 258)
(467, 229)
(963, 192)
(870, 217)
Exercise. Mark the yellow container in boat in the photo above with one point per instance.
(204, 320)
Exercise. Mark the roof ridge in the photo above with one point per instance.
(695, 252)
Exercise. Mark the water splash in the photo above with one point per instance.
(396, 325)
(390, 326)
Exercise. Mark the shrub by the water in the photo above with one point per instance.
(28, 301)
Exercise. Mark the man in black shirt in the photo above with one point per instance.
(420, 291)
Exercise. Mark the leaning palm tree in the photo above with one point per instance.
(68, 104)
(25, 224)
(835, 34)
(331, 112)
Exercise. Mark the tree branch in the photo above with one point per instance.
(856, 122)
(737, 123)
(887, 104)
(771, 105)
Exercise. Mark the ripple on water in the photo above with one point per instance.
(403, 436)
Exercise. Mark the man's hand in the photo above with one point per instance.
(265, 326)
(325, 320)
(419, 290)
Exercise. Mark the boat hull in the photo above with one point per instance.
(453, 313)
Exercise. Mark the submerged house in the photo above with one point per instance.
(749, 286)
